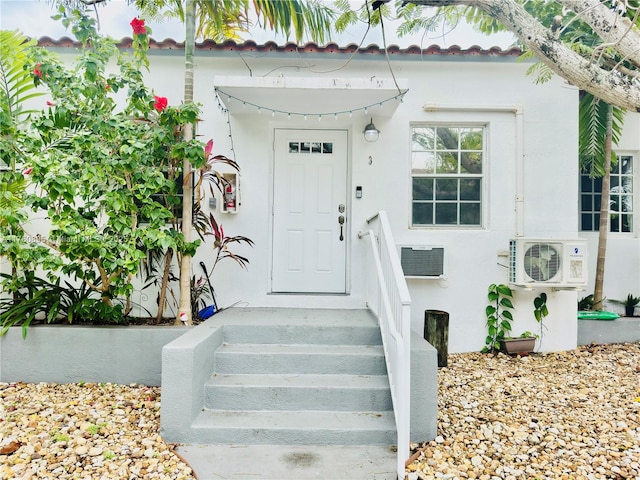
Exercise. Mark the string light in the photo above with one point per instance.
(365, 108)
(399, 98)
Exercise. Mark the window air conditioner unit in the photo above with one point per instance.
(422, 261)
(548, 262)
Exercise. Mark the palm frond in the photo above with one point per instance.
(305, 19)
(12, 189)
(592, 118)
(16, 82)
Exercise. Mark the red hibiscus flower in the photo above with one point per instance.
(50, 104)
(137, 24)
(160, 103)
(37, 72)
(28, 171)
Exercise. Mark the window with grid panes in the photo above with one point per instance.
(446, 173)
(621, 198)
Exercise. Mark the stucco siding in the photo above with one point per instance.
(535, 159)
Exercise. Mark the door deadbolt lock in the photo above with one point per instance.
(341, 208)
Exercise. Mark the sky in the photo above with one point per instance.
(33, 18)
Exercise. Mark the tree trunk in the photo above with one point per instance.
(162, 296)
(184, 310)
(598, 300)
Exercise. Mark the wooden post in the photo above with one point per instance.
(436, 332)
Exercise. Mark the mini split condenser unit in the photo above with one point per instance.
(422, 261)
(548, 262)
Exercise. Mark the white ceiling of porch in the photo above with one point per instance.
(310, 96)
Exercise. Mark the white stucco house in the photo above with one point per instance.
(456, 157)
(504, 167)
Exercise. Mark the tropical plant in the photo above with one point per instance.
(540, 311)
(629, 304)
(16, 88)
(16, 85)
(221, 244)
(222, 20)
(53, 302)
(499, 316)
(585, 303)
(118, 160)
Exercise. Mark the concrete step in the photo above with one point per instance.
(301, 326)
(303, 359)
(298, 392)
(294, 428)
(303, 334)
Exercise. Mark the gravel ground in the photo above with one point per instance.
(570, 415)
(84, 431)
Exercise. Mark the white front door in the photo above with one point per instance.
(309, 202)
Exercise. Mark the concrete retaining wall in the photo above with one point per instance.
(620, 330)
(424, 389)
(187, 362)
(71, 354)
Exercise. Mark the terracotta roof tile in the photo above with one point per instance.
(332, 48)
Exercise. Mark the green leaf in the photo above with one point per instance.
(504, 290)
(505, 302)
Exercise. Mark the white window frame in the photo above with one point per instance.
(483, 176)
(595, 213)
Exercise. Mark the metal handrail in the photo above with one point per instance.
(391, 303)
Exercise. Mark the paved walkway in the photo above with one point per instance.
(282, 462)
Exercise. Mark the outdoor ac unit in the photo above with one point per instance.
(422, 261)
(548, 262)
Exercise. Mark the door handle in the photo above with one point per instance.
(341, 222)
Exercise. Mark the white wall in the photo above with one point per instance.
(475, 256)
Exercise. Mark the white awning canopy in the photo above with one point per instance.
(312, 97)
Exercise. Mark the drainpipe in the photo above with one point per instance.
(518, 111)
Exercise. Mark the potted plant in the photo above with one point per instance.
(525, 343)
(499, 316)
(629, 304)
